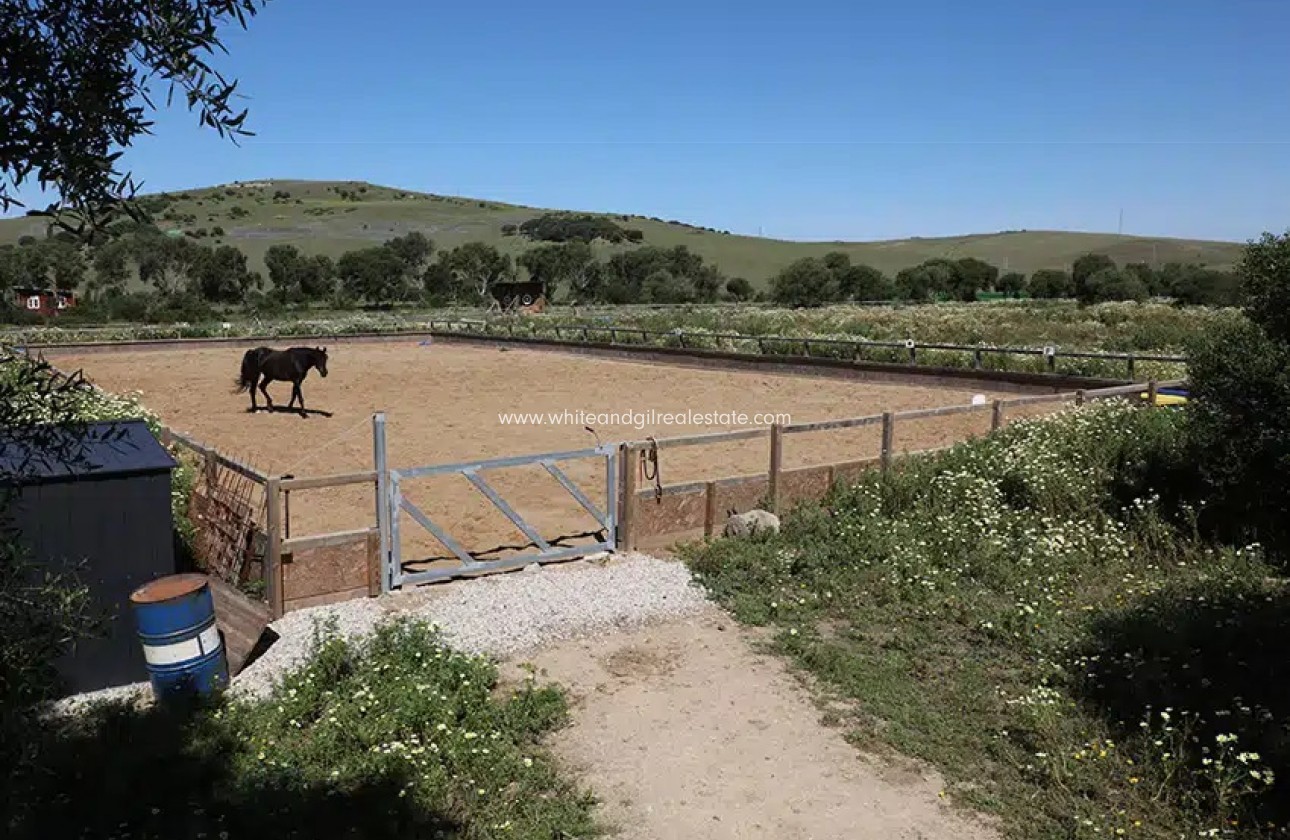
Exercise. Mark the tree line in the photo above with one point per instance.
(181, 277)
(1092, 278)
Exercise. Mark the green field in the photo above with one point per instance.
(317, 219)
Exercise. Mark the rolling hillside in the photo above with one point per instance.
(331, 217)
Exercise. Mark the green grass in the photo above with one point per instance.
(1026, 614)
(325, 223)
(395, 737)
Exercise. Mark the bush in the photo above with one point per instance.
(1240, 412)
(393, 737)
(568, 227)
(1020, 612)
(1112, 284)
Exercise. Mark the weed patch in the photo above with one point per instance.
(394, 737)
(1020, 611)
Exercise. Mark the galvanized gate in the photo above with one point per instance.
(391, 502)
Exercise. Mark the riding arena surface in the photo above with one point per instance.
(442, 402)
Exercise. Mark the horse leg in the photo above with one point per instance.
(296, 392)
(264, 389)
(251, 391)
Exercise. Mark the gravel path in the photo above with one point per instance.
(504, 614)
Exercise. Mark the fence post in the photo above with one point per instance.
(1079, 397)
(996, 416)
(976, 358)
(627, 516)
(888, 433)
(776, 462)
(373, 563)
(1152, 390)
(1132, 366)
(381, 465)
(710, 509)
(273, 573)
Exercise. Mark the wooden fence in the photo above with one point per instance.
(681, 508)
(904, 352)
(307, 570)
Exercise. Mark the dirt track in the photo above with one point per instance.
(443, 402)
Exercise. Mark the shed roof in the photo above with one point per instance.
(113, 448)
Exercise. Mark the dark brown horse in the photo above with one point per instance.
(264, 365)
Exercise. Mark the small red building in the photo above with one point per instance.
(43, 301)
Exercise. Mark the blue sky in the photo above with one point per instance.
(818, 119)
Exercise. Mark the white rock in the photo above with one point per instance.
(750, 523)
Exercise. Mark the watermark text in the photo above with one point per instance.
(643, 419)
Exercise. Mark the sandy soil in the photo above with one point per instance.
(443, 404)
(683, 731)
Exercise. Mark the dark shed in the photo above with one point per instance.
(94, 499)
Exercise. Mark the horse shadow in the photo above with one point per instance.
(282, 409)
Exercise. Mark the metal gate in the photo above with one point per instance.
(392, 502)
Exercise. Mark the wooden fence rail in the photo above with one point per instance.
(614, 334)
(774, 476)
(283, 549)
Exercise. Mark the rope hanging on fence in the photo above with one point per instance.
(649, 457)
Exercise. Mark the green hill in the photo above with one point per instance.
(331, 217)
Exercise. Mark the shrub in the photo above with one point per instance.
(1020, 611)
(395, 736)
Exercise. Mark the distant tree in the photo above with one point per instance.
(566, 227)
(864, 282)
(1012, 284)
(474, 267)
(914, 283)
(739, 288)
(926, 281)
(414, 251)
(625, 277)
(11, 268)
(112, 265)
(374, 274)
(1149, 277)
(665, 287)
(57, 263)
(568, 263)
(1083, 270)
(1197, 285)
(1114, 284)
(806, 282)
(220, 275)
(1051, 283)
(76, 90)
(970, 276)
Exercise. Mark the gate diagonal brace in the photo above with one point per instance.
(587, 505)
(500, 503)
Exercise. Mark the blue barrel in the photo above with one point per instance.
(175, 616)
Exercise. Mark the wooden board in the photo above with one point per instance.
(242, 622)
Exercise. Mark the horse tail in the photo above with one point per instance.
(250, 369)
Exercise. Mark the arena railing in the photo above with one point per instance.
(854, 349)
(638, 451)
